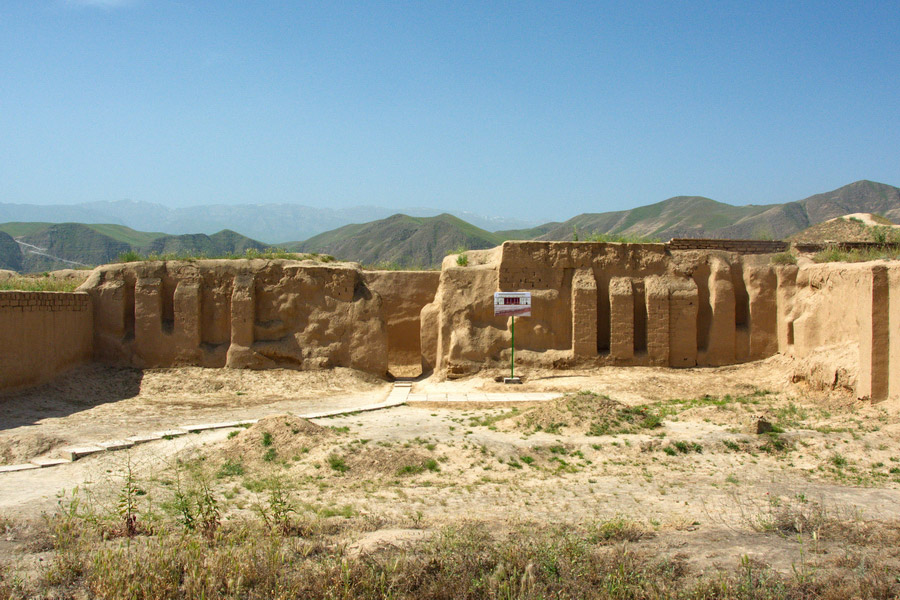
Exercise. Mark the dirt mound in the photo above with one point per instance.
(278, 436)
(378, 461)
(573, 412)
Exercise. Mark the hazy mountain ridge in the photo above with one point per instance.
(270, 223)
(416, 241)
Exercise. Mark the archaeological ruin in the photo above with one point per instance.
(666, 305)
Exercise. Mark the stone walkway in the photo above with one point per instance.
(487, 397)
(399, 395)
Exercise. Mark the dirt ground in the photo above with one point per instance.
(681, 455)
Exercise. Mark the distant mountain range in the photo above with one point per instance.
(271, 223)
(695, 216)
(47, 246)
(416, 241)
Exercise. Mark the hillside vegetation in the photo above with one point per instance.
(859, 227)
(10, 254)
(46, 247)
(401, 240)
(696, 216)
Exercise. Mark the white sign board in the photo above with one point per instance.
(512, 304)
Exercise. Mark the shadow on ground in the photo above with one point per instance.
(79, 389)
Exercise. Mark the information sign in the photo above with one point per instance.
(512, 304)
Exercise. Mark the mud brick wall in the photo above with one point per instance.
(42, 334)
(829, 309)
(403, 295)
(739, 246)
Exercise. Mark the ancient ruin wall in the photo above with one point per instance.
(238, 313)
(593, 304)
(621, 304)
(844, 319)
(42, 334)
(403, 295)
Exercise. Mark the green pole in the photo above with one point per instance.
(512, 354)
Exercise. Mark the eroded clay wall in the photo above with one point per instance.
(594, 303)
(42, 334)
(238, 313)
(403, 295)
(844, 319)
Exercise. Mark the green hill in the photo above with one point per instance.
(10, 254)
(218, 244)
(45, 247)
(67, 245)
(116, 232)
(696, 216)
(401, 240)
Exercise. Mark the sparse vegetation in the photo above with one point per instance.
(250, 253)
(38, 284)
(836, 254)
(494, 502)
(614, 238)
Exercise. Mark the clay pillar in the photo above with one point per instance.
(874, 338)
(584, 313)
(891, 326)
(761, 288)
(657, 293)
(784, 299)
(720, 350)
(148, 341)
(683, 305)
(621, 309)
(242, 317)
(187, 320)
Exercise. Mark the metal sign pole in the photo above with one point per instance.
(512, 354)
(512, 304)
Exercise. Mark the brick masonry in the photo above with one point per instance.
(42, 334)
(739, 246)
(44, 301)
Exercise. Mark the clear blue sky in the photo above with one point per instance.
(548, 108)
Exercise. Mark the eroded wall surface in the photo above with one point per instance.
(403, 295)
(593, 303)
(42, 334)
(239, 313)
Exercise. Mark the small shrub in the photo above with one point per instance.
(230, 469)
(617, 529)
(337, 463)
(784, 258)
(462, 260)
(129, 256)
(410, 470)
